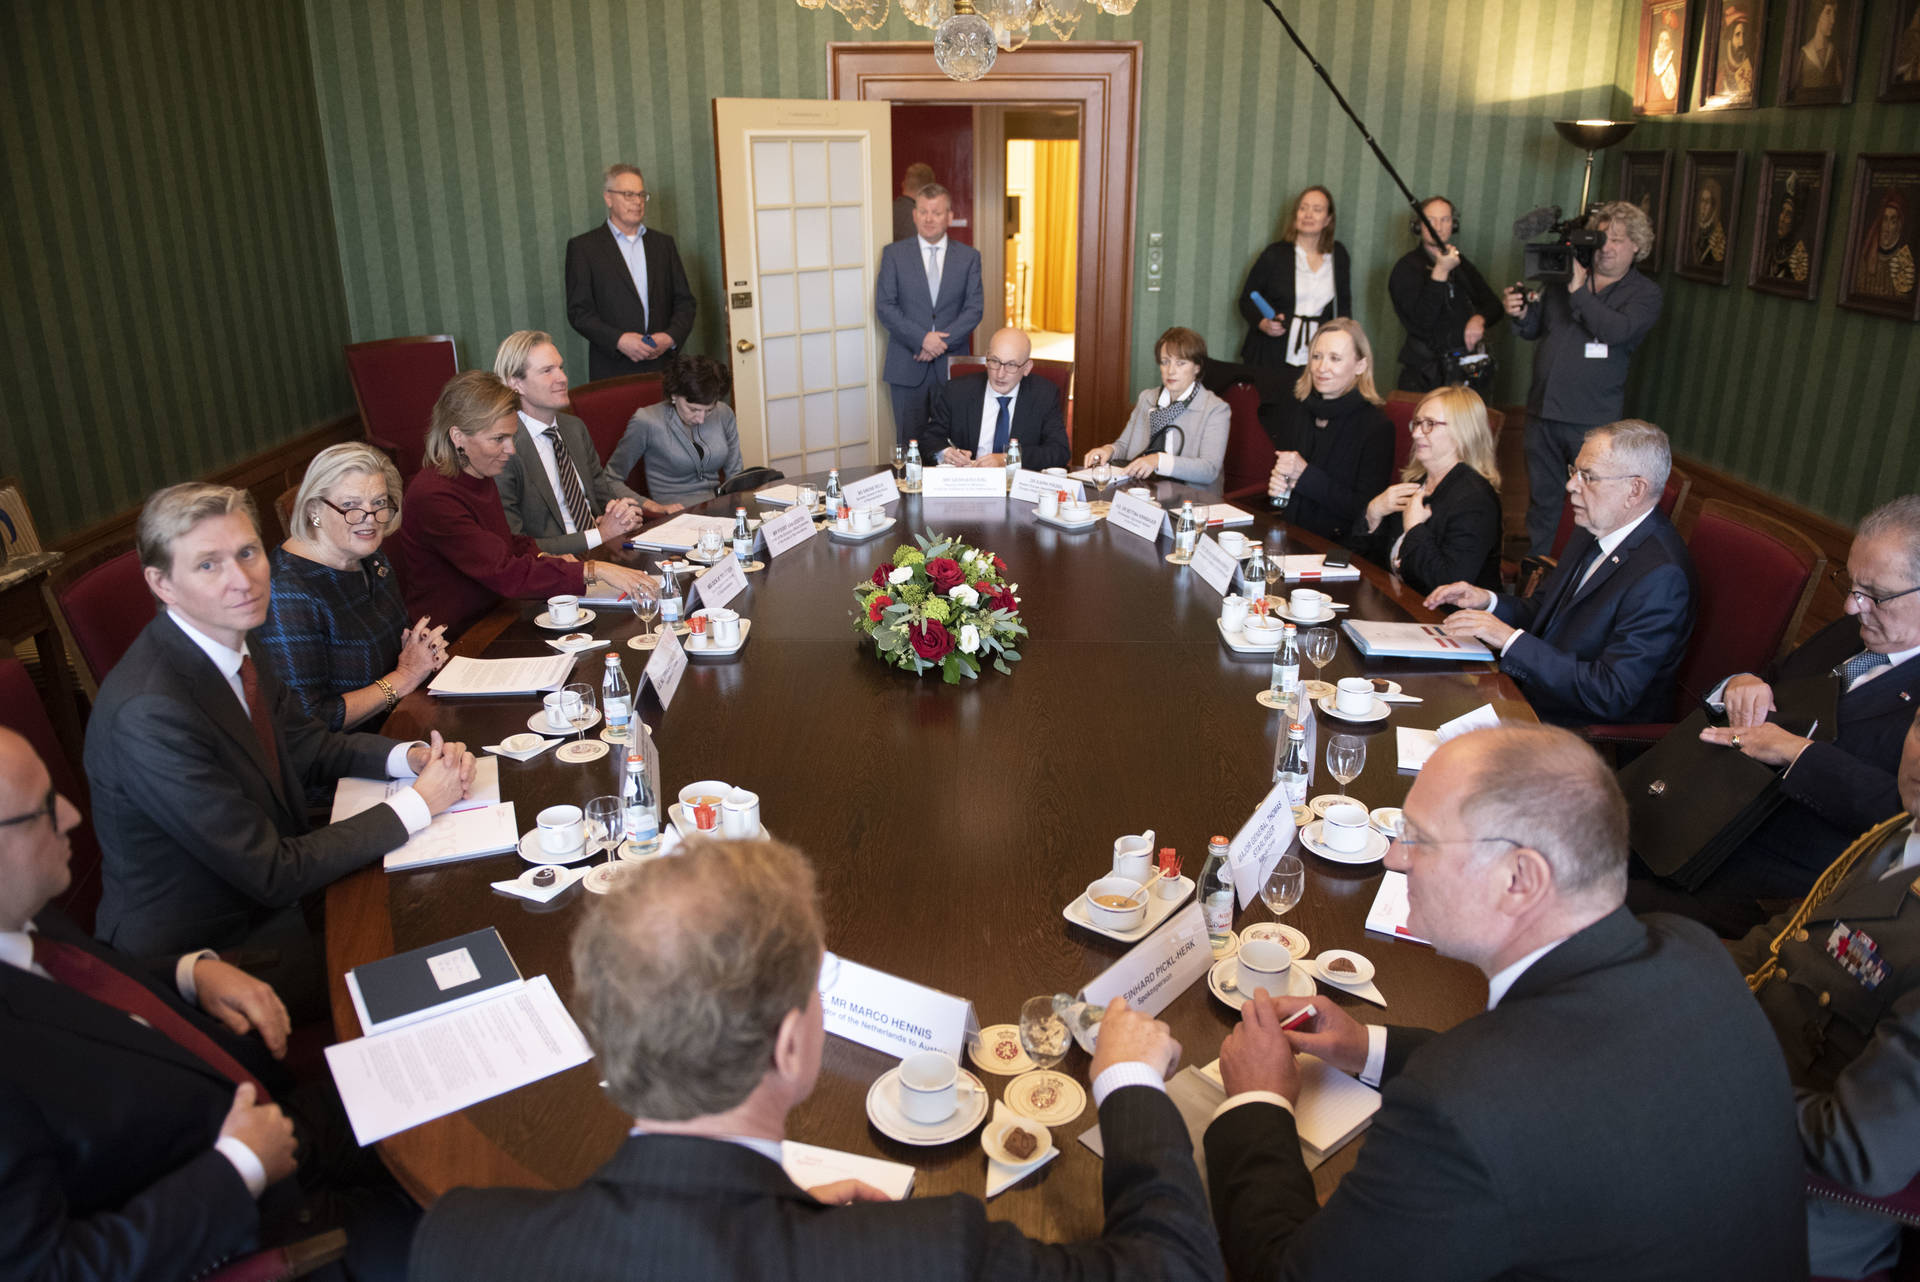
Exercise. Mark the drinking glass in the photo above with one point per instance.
(1284, 885)
(646, 607)
(577, 705)
(607, 823)
(1043, 1033)
(1321, 644)
(899, 462)
(1276, 571)
(1102, 476)
(1346, 758)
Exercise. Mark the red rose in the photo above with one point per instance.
(931, 640)
(1001, 599)
(945, 573)
(878, 604)
(880, 575)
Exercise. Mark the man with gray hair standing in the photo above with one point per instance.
(1602, 636)
(1620, 1112)
(627, 293)
(697, 981)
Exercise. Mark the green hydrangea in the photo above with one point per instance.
(939, 608)
(906, 555)
(912, 593)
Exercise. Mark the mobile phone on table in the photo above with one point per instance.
(1337, 561)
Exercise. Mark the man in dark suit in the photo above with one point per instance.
(199, 759)
(1862, 673)
(1619, 1112)
(627, 293)
(137, 1139)
(708, 1036)
(971, 421)
(928, 299)
(554, 490)
(1602, 637)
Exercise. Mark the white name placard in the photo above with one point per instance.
(1258, 845)
(1135, 516)
(1029, 486)
(1214, 564)
(788, 530)
(1158, 968)
(721, 583)
(666, 667)
(964, 483)
(891, 1014)
(877, 490)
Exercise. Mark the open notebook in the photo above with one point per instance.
(1333, 1106)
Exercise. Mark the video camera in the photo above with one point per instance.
(1551, 260)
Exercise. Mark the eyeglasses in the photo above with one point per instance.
(1587, 476)
(46, 809)
(355, 515)
(1866, 599)
(1415, 839)
(627, 195)
(997, 365)
(1426, 424)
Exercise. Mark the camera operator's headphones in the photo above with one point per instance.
(1413, 220)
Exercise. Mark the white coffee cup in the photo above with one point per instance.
(562, 830)
(1234, 542)
(1345, 829)
(563, 609)
(555, 708)
(718, 789)
(1233, 612)
(1354, 695)
(1307, 603)
(1049, 504)
(1077, 510)
(724, 625)
(807, 498)
(1262, 629)
(1264, 963)
(866, 518)
(740, 814)
(930, 1087)
(1133, 857)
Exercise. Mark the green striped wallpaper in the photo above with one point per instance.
(1804, 399)
(170, 295)
(465, 138)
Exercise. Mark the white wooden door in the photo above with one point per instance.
(805, 209)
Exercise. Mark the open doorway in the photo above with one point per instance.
(1042, 205)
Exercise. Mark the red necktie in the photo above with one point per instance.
(81, 971)
(257, 712)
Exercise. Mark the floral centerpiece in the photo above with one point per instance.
(942, 605)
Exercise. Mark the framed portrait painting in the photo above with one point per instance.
(1790, 223)
(1900, 68)
(1819, 52)
(1660, 73)
(1877, 272)
(1645, 177)
(1703, 231)
(1731, 37)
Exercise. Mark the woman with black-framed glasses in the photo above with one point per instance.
(337, 620)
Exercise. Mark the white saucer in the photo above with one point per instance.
(1374, 851)
(1281, 607)
(861, 536)
(1227, 970)
(544, 620)
(1385, 819)
(1240, 641)
(1060, 524)
(683, 822)
(712, 651)
(883, 1110)
(1361, 976)
(539, 725)
(1379, 713)
(531, 852)
(1280, 933)
(694, 555)
(1159, 908)
(1327, 801)
(996, 1151)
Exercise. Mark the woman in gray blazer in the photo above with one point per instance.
(690, 441)
(1178, 429)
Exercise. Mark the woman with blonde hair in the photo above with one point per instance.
(1305, 277)
(457, 557)
(1335, 443)
(1441, 522)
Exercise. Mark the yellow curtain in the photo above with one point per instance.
(1056, 224)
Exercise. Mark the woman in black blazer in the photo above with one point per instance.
(1306, 277)
(1335, 443)
(1441, 522)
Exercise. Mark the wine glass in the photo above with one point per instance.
(1284, 885)
(1276, 571)
(646, 607)
(1102, 476)
(1346, 758)
(607, 823)
(899, 462)
(1043, 1033)
(1320, 647)
(577, 706)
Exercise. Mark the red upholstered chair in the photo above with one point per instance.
(1059, 373)
(605, 406)
(1757, 576)
(106, 607)
(395, 383)
(1249, 458)
(22, 712)
(276, 1264)
(1399, 407)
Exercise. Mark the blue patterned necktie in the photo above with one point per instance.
(1858, 666)
(1002, 427)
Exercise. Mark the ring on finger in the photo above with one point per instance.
(1736, 741)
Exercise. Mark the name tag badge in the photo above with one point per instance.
(1596, 351)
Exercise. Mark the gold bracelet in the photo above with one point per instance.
(386, 688)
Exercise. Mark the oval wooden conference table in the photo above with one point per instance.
(949, 824)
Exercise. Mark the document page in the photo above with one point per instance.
(351, 796)
(810, 1167)
(394, 1081)
(465, 676)
(457, 834)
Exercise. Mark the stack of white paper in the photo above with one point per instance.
(351, 796)
(533, 675)
(1415, 746)
(682, 532)
(1332, 1108)
(457, 834)
(1223, 514)
(1312, 568)
(810, 1167)
(1388, 916)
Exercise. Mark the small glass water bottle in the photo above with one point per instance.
(833, 490)
(914, 466)
(616, 697)
(1186, 534)
(1013, 461)
(742, 536)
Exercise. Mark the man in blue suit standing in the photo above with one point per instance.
(929, 299)
(1602, 637)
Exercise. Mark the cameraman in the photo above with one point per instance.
(1442, 300)
(1588, 328)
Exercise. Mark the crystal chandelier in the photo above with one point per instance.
(964, 46)
(969, 34)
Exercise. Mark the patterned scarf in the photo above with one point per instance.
(1162, 418)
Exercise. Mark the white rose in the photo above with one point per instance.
(964, 595)
(969, 638)
(901, 575)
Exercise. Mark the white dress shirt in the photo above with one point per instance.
(1312, 290)
(1608, 543)
(632, 249)
(1909, 854)
(990, 418)
(542, 434)
(406, 803)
